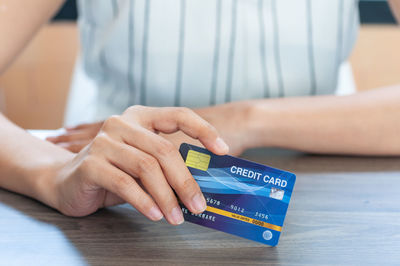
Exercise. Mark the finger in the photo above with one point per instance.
(77, 127)
(75, 146)
(170, 160)
(72, 136)
(87, 126)
(125, 187)
(139, 164)
(194, 126)
(172, 119)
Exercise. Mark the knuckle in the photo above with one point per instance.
(209, 129)
(100, 141)
(122, 183)
(147, 164)
(205, 126)
(111, 122)
(134, 109)
(205, 129)
(188, 186)
(136, 113)
(165, 148)
(88, 165)
(184, 111)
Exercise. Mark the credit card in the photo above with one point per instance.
(244, 198)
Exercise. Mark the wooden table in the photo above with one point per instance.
(344, 210)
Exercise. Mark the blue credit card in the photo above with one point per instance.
(244, 198)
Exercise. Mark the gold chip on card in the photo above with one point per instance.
(198, 160)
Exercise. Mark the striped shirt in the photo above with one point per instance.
(204, 52)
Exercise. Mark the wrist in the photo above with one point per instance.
(249, 126)
(45, 187)
(263, 123)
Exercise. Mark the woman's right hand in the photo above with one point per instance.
(129, 162)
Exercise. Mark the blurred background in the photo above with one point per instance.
(33, 90)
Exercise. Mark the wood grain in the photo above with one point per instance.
(344, 211)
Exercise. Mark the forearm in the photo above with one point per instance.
(395, 6)
(19, 21)
(366, 123)
(26, 162)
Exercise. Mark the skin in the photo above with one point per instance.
(366, 123)
(318, 124)
(133, 157)
(127, 161)
(395, 7)
(19, 21)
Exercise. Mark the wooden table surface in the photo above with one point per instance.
(344, 210)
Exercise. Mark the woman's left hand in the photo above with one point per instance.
(232, 120)
(76, 138)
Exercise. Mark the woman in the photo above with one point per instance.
(249, 54)
(268, 58)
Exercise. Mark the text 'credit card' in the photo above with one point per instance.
(244, 198)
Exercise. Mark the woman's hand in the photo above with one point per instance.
(127, 161)
(232, 121)
(76, 138)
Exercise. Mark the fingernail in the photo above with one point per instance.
(155, 214)
(177, 216)
(51, 138)
(199, 203)
(221, 145)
